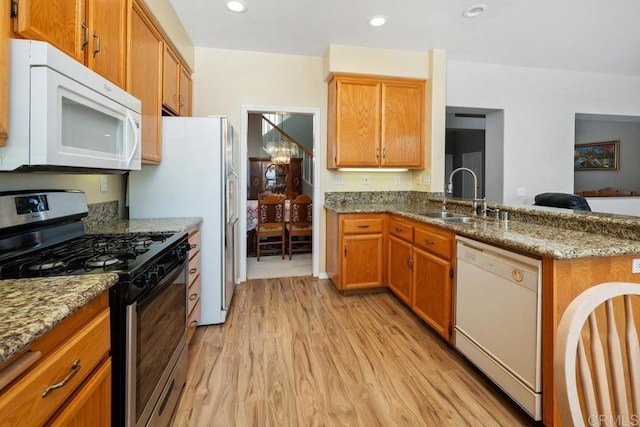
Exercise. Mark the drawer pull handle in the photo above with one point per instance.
(194, 246)
(398, 229)
(193, 270)
(193, 297)
(429, 242)
(193, 323)
(74, 370)
(364, 226)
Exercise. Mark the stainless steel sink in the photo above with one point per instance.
(439, 214)
(460, 219)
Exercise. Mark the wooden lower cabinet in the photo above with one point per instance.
(432, 291)
(362, 261)
(356, 250)
(420, 264)
(92, 404)
(400, 262)
(76, 349)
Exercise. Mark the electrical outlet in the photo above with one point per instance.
(520, 192)
(365, 180)
(635, 266)
(397, 180)
(339, 180)
(104, 186)
(426, 179)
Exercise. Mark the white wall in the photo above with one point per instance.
(539, 111)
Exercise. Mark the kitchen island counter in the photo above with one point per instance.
(31, 307)
(545, 233)
(144, 225)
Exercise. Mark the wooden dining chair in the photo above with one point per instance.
(597, 357)
(300, 225)
(270, 230)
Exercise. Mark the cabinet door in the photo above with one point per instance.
(399, 269)
(362, 261)
(185, 92)
(170, 80)
(59, 22)
(357, 122)
(145, 80)
(91, 405)
(4, 77)
(403, 123)
(107, 21)
(431, 299)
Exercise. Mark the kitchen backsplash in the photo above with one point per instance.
(101, 213)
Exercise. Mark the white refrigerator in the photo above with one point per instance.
(197, 177)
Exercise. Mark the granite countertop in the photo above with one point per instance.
(541, 238)
(32, 307)
(152, 225)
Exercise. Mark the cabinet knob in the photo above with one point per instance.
(193, 297)
(193, 271)
(398, 229)
(429, 242)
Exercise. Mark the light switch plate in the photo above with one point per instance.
(426, 179)
(339, 180)
(104, 187)
(520, 192)
(396, 180)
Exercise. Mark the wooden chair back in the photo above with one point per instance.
(597, 357)
(270, 229)
(300, 226)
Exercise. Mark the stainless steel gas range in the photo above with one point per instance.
(42, 235)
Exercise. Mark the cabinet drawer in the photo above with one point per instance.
(401, 229)
(194, 295)
(192, 321)
(362, 225)
(195, 240)
(436, 242)
(25, 402)
(194, 267)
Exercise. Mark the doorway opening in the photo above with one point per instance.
(474, 140)
(264, 127)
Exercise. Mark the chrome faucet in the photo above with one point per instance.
(449, 189)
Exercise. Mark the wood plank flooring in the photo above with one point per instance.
(294, 352)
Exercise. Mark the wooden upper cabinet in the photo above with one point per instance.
(375, 122)
(176, 84)
(91, 31)
(106, 51)
(184, 93)
(145, 79)
(357, 122)
(59, 22)
(403, 123)
(4, 75)
(170, 80)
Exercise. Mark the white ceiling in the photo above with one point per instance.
(588, 35)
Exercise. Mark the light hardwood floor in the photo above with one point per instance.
(294, 352)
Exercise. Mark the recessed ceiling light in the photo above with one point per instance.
(473, 11)
(236, 6)
(377, 21)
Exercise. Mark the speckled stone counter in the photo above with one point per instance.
(32, 307)
(560, 234)
(154, 225)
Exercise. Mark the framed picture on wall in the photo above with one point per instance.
(596, 156)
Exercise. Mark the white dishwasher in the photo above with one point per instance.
(498, 318)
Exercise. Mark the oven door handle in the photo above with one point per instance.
(165, 282)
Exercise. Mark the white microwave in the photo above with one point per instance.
(65, 117)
